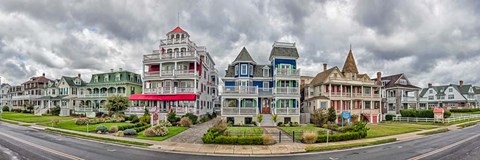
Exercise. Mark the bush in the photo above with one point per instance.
(267, 139)
(81, 121)
(309, 137)
(361, 128)
(113, 129)
(130, 132)
(464, 110)
(280, 124)
(389, 117)
(5, 109)
(332, 116)
(339, 137)
(247, 140)
(101, 128)
(145, 118)
(159, 130)
(260, 118)
(210, 136)
(119, 134)
(254, 123)
(149, 132)
(318, 117)
(274, 118)
(55, 110)
(141, 128)
(186, 122)
(172, 117)
(226, 140)
(447, 114)
(417, 113)
(220, 126)
(164, 123)
(16, 110)
(192, 117)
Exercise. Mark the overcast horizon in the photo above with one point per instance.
(429, 41)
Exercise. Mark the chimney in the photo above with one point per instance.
(111, 70)
(461, 83)
(379, 78)
(429, 85)
(79, 75)
(43, 75)
(324, 67)
(120, 69)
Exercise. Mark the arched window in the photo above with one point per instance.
(169, 51)
(175, 50)
(183, 49)
(178, 36)
(172, 36)
(183, 36)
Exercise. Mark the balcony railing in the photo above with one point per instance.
(409, 99)
(287, 72)
(287, 90)
(253, 90)
(159, 56)
(171, 73)
(265, 91)
(287, 111)
(169, 90)
(176, 41)
(22, 97)
(239, 111)
(190, 72)
(101, 95)
(89, 109)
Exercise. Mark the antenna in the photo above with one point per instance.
(178, 19)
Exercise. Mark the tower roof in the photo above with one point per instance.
(244, 56)
(177, 30)
(350, 66)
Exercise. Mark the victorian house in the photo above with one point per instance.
(397, 93)
(93, 95)
(178, 77)
(345, 90)
(448, 96)
(28, 92)
(269, 89)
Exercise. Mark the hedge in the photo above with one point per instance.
(130, 126)
(340, 137)
(464, 110)
(389, 117)
(421, 113)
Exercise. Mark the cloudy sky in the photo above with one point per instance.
(429, 41)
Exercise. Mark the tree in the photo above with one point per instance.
(319, 118)
(116, 104)
(29, 107)
(332, 116)
(55, 110)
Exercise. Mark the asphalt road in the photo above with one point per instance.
(17, 142)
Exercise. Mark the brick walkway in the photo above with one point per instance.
(194, 134)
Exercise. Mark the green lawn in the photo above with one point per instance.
(298, 130)
(348, 145)
(30, 118)
(70, 125)
(172, 131)
(387, 129)
(239, 131)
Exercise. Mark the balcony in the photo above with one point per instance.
(409, 99)
(265, 91)
(169, 90)
(158, 56)
(171, 74)
(89, 109)
(98, 95)
(244, 90)
(290, 73)
(164, 42)
(391, 100)
(287, 91)
(287, 111)
(25, 97)
(239, 111)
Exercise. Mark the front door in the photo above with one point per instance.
(266, 106)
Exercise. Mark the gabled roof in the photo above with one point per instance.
(350, 66)
(322, 76)
(283, 49)
(442, 89)
(392, 79)
(177, 30)
(244, 56)
(71, 81)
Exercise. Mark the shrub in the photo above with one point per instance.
(172, 117)
(101, 128)
(149, 132)
(267, 139)
(309, 137)
(464, 110)
(447, 114)
(280, 124)
(186, 122)
(417, 113)
(274, 118)
(260, 118)
(226, 140)
(141, 128)
(113, 129)
(130, 132)
(159, 130)
(339, 137)
(145, 118)
(332, 116)
(164, 123)
(192, 117)
(250, 140)
(5, 109)
(210, 136)
(254, 123)
(204, 119)
(55, 110)
(318, 118)
(354, 118)
(361, 128)
(220, 126)
(81, 121)
(389, 117)
(119, 134)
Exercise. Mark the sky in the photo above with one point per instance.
(430, 41)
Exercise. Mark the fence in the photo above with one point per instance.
(457, 117)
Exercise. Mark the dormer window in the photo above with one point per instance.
(450, 90)
(95, 79)
(105, 78)
(266, 72)
(236, 70)
(430, 91)
(117, 77)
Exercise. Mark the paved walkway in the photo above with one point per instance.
(279, 148)
(194, 134)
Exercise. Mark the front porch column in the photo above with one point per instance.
(341, 90)
(329, 90)
(239, 104)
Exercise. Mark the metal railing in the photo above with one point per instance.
(265, 91)
(171, 73)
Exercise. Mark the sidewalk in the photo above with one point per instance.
(279, 148)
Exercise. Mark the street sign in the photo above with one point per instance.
(346, 115)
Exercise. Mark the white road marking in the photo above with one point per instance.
(44, 148)
(443, 148)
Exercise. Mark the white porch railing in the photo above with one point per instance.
(447, 120)
(287, 72)
(265, 91)
(101, 95)
(169, 90)
(287, 111)
(287, 90)
(239, 111)
(240, 90)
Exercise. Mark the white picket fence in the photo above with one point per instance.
(447, 120)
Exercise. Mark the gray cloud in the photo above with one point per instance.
(429, 41)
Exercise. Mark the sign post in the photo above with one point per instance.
(438, 114)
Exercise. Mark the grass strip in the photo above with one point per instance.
(346, 146)
(434, 131)
(467, 124)
(99, 138)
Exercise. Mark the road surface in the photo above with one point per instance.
(18, 142)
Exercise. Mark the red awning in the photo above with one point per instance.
(153, 97)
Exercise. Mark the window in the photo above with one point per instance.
(323, 105)
(430, 97)
(95, 79)
(266, 72)
(117, 77)
(450, 90)
(403, 82)
(451, 96)
(430, 91)
(266, 85)
(367, 104)
(236, 69)
(105, 78)
(243, 69)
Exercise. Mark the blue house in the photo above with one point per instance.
(251, 89)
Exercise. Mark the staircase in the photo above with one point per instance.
(267, 121)
(38, 111)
